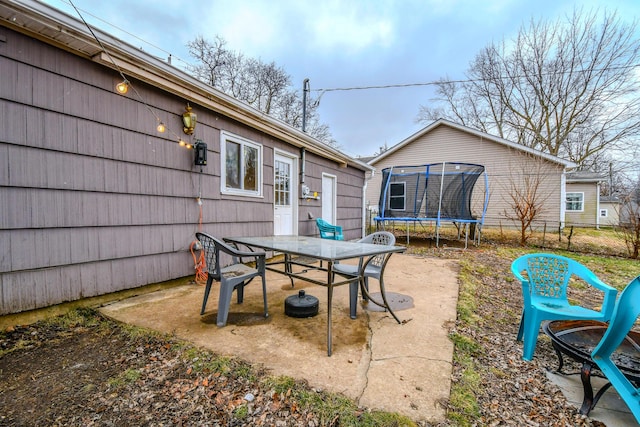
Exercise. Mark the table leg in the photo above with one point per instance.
(585, 377)
(329, 298)
(287, 267)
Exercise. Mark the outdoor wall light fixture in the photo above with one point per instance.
(123, 87)
(189, 119)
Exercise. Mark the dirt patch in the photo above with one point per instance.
(102, 375)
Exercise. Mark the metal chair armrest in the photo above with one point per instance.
(230, 250)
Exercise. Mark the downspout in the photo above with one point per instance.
(598, 205)
(563, 198)
(364, 206)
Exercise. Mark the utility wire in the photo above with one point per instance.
(402, 85)
(351, 88)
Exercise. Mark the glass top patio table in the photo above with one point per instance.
(321, 249)
(314, 247)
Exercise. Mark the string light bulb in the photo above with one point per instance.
(161, 127)
(123, 87)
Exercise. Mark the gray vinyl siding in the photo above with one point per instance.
(93, 200)
(503, 165)
(348, 198)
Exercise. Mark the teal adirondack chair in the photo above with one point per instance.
(544, 293)
(623, 318)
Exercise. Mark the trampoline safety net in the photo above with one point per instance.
(431, 192)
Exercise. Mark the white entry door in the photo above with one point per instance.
(329, 198)
(284, 196)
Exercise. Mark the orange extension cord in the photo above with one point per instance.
(200, 263)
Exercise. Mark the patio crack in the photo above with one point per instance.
(366, 358)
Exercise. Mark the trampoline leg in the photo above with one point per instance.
(466, 235)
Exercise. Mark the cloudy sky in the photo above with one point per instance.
(340, 44)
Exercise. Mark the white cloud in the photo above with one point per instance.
(262, 28)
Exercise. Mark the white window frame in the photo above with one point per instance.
(581, 201)
(604, 213)
(404, 196)
(229, 137)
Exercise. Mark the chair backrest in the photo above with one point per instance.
(547, 275)
(328, 231)
(624, 316)
(211, 253)
(379, 238)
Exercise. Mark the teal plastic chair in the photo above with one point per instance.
(329, 231)
(624, 316)
(232, 277)
(544, 293)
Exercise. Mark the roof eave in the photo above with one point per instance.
(565, 163)
(52, 26)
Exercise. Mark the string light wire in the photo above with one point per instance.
(128, 82)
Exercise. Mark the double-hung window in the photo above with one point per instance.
(241, 167)
(575, 202)
(397, 196)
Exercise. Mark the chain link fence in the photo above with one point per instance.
(581, 238)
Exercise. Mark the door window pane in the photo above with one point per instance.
(282, 184)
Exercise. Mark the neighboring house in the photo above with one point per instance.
(508, 165)
(583, 199)
(629, 210)
(609, 211)
(94, 199)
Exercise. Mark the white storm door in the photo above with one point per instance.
(329, 198)
(284, 194)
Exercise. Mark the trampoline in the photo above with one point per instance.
(436, 192)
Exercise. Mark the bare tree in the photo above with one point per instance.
(568, 88)
(629, 215)
(265, 86)
(213, 59)
(526, 194)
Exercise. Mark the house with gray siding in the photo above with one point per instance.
(509, 166)
(95, 199)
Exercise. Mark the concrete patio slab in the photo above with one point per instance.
(404, 368)
(610, 409)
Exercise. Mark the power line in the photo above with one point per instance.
(336, 89)
(434, 83)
